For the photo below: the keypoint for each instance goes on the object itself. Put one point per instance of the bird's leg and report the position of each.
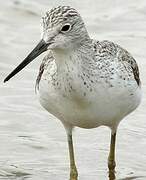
(73, 169)
(111, 158)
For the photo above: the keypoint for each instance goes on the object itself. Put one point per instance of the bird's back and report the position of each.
(111, 54)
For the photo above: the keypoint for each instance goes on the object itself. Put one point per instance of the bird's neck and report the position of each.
(74, 57)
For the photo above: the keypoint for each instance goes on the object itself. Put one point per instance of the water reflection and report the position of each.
(14, 173)
(112, 176)
(133, 177)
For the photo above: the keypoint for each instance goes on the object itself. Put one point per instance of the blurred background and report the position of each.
(33, 143)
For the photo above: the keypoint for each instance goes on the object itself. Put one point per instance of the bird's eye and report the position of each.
(66, 28)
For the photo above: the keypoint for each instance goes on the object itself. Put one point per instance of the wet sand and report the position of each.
(32, 142)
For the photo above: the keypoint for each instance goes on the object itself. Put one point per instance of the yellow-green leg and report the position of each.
(111, 158)
(73, 169)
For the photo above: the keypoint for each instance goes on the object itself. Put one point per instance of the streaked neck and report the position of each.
(73, 56)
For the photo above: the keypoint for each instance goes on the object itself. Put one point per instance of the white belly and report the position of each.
(105, 106)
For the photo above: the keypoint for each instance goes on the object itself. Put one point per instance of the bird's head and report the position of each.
(62, 28)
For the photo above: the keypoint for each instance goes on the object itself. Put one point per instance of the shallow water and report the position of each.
(33, 143)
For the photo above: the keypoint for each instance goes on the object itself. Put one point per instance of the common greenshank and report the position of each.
(81, 81)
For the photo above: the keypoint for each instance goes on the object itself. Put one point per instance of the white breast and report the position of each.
(67, 92)
(103, 106)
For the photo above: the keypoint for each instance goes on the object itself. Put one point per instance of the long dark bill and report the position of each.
(40, 48)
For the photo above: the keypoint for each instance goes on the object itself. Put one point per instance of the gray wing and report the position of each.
(111, 50)
(126, 57)
(47, 59)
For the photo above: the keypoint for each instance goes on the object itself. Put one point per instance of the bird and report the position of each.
(83, 82)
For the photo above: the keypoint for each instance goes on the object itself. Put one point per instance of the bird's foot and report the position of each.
(73, 174)
(111, 167)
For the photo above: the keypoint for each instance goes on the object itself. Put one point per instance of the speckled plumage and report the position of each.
(103, 68)
(83, 82)
(105, 53)
(86, 78)
(58, 15)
